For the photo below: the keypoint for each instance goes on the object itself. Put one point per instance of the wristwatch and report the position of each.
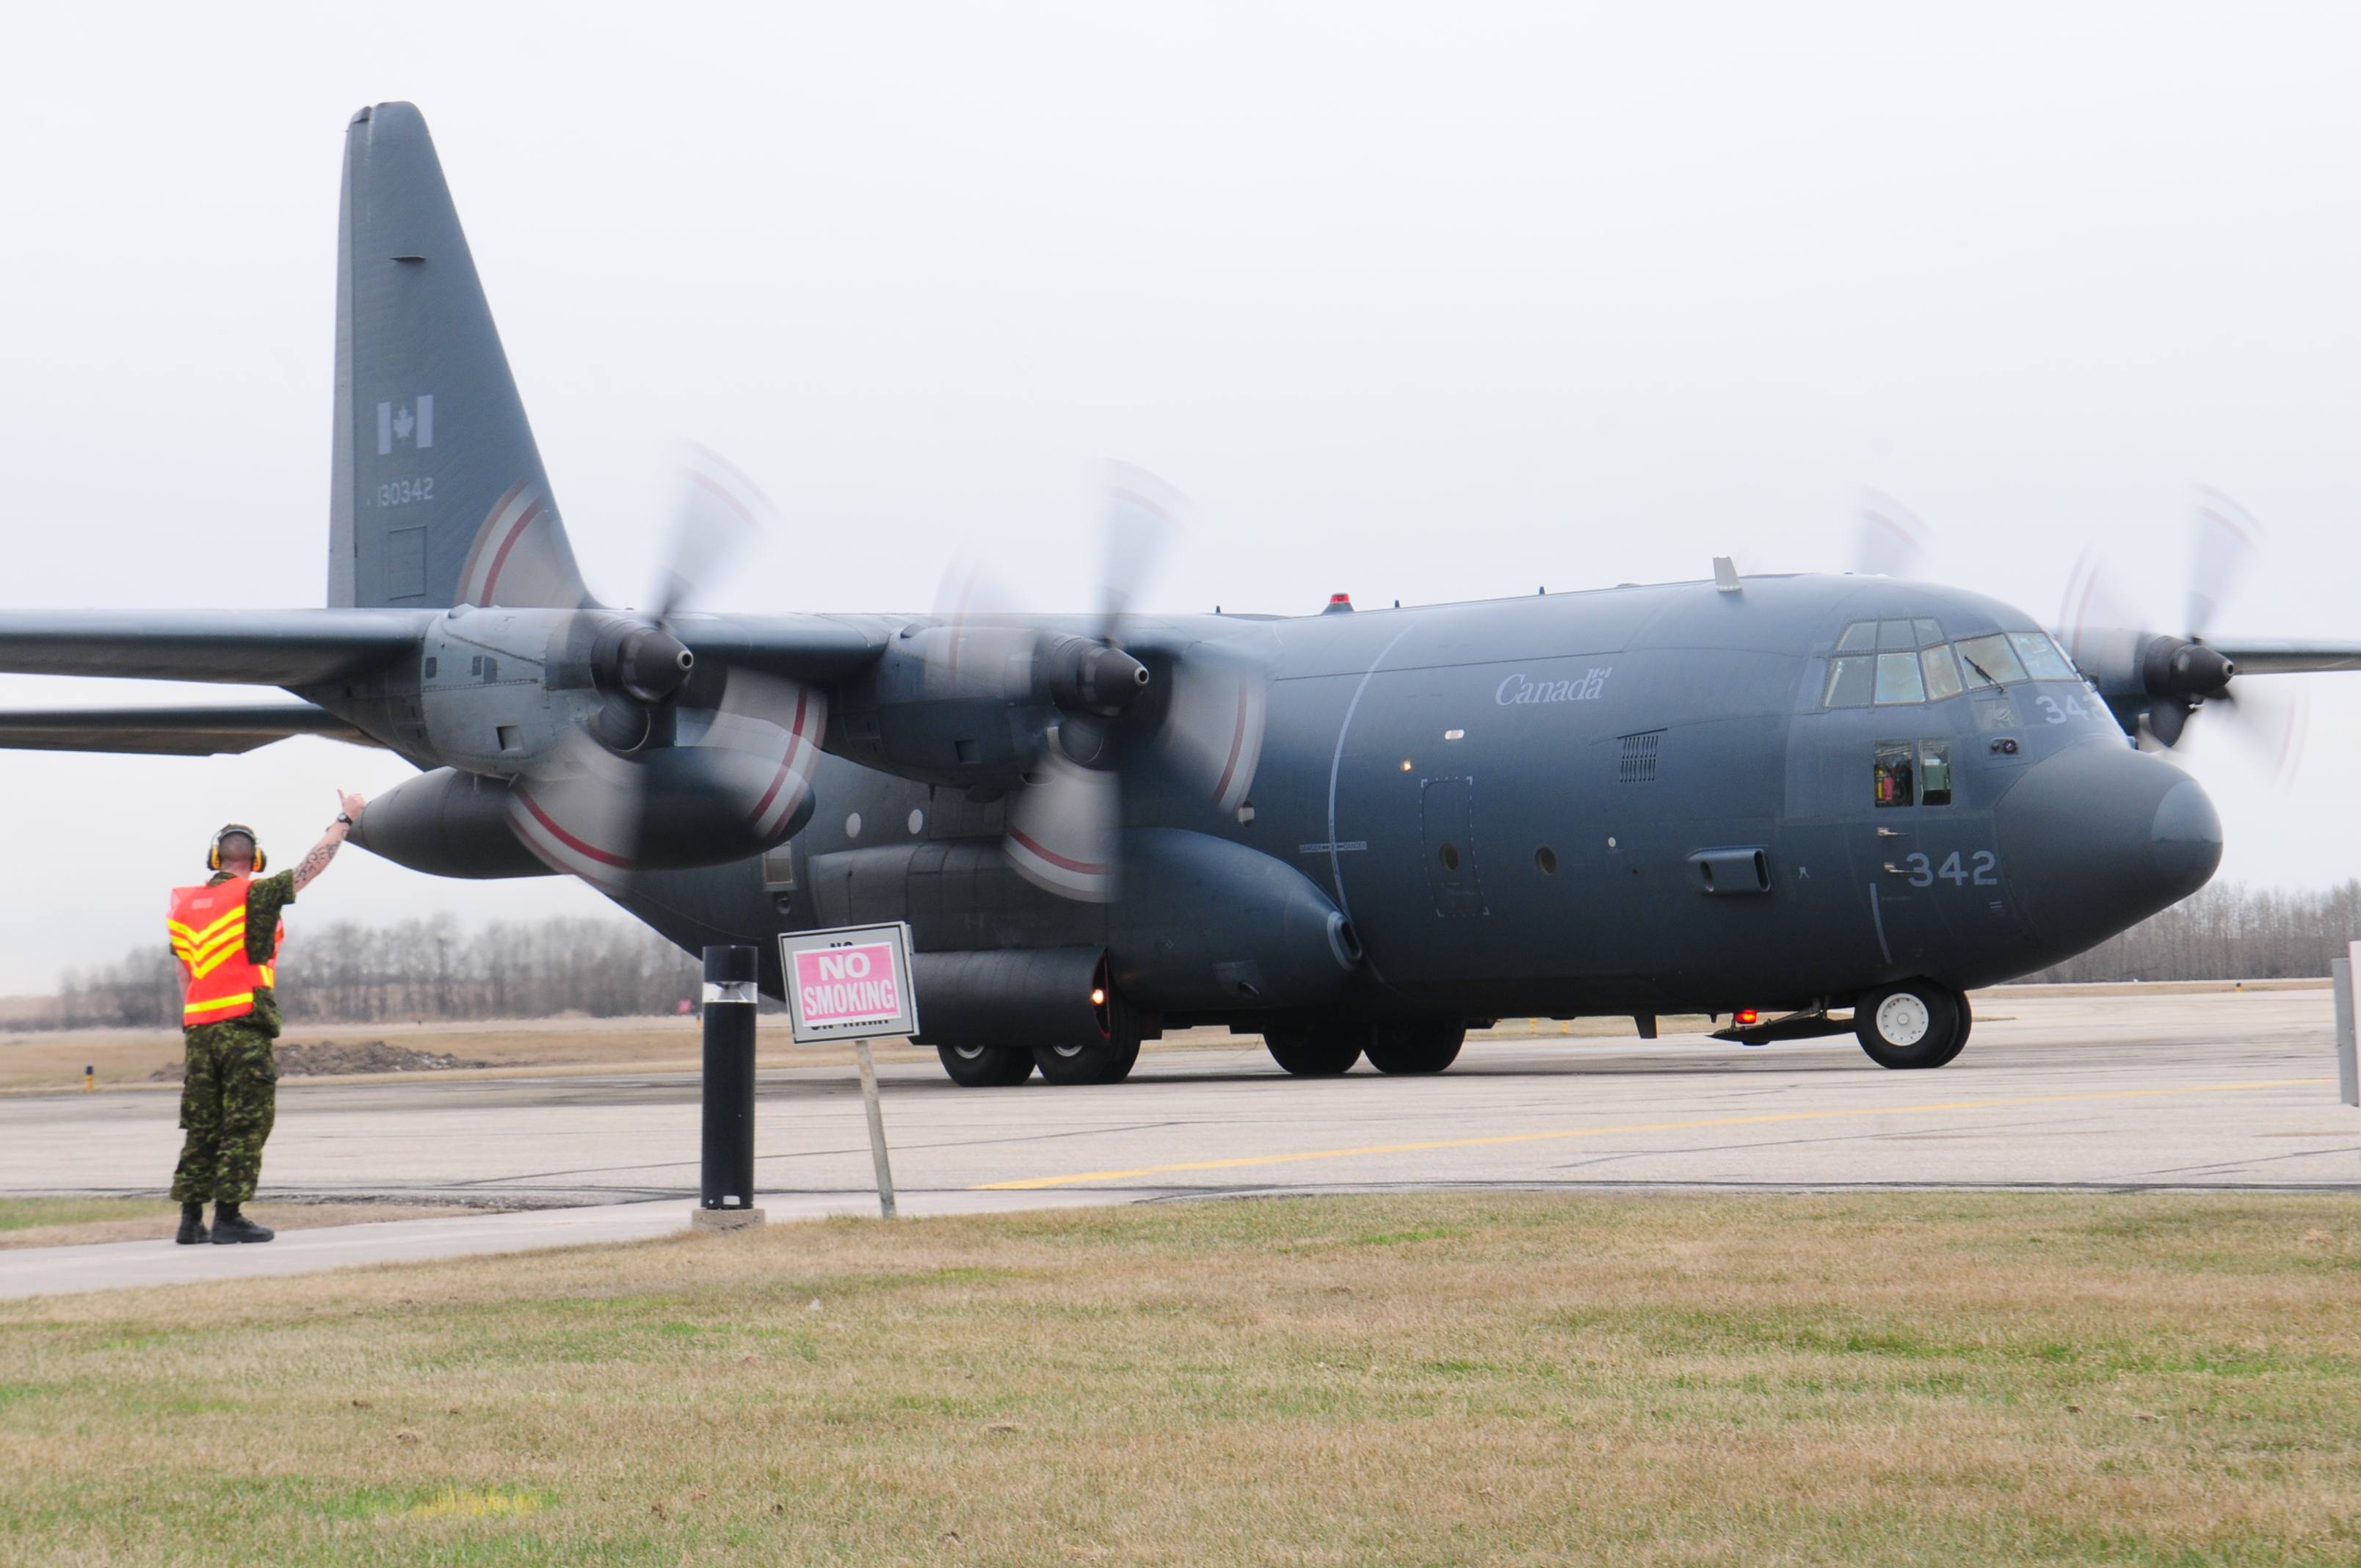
(344, 817)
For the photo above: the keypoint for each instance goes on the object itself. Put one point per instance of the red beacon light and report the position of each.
(1339, 604)
(1747, 1017)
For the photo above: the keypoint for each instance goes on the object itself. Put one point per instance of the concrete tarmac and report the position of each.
(2057, 1087)
(2116, 1091)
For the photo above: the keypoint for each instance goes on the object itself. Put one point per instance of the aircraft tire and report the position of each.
(1917, 1024)
(1108, 1062)
(986, 1067)
(1323, 1050)
(1424, 1048)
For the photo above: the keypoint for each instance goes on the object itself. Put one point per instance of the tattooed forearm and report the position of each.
(316, 862)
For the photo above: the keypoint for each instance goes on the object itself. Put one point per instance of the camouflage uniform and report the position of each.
(229, 1099)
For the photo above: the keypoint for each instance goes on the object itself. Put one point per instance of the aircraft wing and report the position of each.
(169, 732)
(814, 648)
(2279, 656)
(255, 647)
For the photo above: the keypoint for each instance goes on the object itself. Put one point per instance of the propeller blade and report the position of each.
(2095, 621)
(718, 514)
(1213, 728)
(579, 812)
(978, 647)
(1062, 830)
(2270, 724)
(766, 732)
(1143, 513)
(2228, 539)
(1891, 541)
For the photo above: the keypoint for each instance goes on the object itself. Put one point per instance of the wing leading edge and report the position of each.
(170, 731)
(242, 647)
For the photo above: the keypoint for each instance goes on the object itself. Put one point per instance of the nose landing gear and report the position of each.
(1912, 1024)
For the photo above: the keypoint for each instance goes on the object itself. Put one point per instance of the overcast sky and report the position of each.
(1427, 302)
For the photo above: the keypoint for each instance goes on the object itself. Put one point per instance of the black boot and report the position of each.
(231, 1227)
(192, 1224)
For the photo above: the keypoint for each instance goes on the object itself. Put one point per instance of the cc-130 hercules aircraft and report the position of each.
(1354, 833)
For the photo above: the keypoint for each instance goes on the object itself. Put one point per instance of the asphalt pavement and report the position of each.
(2057, 1089)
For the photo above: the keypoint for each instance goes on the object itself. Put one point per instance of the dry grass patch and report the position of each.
(1919, 1378)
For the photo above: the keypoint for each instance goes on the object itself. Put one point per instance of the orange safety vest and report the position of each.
(207, 925)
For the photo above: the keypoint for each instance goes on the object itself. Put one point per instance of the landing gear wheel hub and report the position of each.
(1903, 1019)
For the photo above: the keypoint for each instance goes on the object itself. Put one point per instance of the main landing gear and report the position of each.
(1327, 1048)
(1912, 1024)
(1107, 1060)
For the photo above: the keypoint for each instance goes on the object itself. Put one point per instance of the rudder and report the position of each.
(438, 495)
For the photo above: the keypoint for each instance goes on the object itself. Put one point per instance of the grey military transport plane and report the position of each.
(1783, 798)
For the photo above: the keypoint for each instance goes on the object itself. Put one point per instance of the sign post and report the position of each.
(854, 984)
(2348, 1069)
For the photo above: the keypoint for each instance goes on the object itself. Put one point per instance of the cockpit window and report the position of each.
(1989, 661)
(1898, 679)
(1860, 634)
(1929, 632)
(1895, 772)
(1942, 673)
(2043, 662)
(1895, 634)
(1851, 681)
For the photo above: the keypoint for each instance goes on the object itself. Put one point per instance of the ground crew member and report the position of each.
(225, 934)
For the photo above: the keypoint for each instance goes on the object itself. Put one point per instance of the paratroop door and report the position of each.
(1446, 810)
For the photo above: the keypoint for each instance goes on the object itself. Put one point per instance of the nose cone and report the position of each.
(2098, 838)
(2185, 838)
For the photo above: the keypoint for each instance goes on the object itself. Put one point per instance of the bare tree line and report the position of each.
(2229, 931)
(351, 972)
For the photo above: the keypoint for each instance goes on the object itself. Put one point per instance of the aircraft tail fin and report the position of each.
(439, 497)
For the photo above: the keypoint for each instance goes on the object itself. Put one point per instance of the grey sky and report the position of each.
(1420, 303)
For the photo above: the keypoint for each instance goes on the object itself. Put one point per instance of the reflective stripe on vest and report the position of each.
(207, 927)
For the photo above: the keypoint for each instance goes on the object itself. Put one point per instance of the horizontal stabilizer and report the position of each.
(243, 647)
(170, 731)
(2281, 656)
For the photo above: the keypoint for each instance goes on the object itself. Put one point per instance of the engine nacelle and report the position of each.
(1202, 925)
(447, 823)
(693, 813)
(1205, 924)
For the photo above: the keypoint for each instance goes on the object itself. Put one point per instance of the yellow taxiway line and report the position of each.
(1034, 1183)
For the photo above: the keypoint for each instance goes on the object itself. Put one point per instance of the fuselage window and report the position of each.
(1852, 681)
(1942, 673)
(2043, 662)
(1934, 773)
(1861, 636)
(1898, 679)
(1896, 772)
(1990, 661)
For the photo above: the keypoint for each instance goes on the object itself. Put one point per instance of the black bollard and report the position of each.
(728, 1016)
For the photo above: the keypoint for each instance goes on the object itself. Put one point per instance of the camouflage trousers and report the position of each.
(228, 1103)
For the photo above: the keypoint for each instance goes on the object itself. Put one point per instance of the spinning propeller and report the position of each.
(2157, 681)
(729, 745)
(1124, 692)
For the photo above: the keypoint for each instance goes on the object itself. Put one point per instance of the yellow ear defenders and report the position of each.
(213, 855)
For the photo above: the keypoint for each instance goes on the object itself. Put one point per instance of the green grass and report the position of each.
(1890, 1378)
(29, 1214)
